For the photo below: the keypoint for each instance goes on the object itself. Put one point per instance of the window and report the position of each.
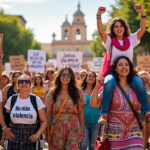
(66, 34)
(78, 34)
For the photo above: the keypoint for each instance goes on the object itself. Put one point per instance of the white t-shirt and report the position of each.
(116, 53)
(23, 111)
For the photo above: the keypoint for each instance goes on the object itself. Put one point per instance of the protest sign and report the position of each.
(90, 65)
(97, 63)
(17, 62)
(72, 59)
(7, 67)
(143, 62)
(36, 60)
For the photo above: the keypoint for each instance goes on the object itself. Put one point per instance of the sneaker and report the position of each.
(103, 119)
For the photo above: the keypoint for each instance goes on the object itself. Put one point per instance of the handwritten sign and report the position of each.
(1, 42)
(72, 59)
(36, 60)
(143, 62)
(90, 65)
(97, 63)
(17, 62)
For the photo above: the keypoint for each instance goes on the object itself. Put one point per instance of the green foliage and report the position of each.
(36, 45)
(17, 39)
(96, 46)
(48, 56)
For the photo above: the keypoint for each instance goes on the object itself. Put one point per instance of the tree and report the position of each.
(96, 46)
(17, 39)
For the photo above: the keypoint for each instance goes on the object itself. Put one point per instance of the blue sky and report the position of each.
(46, 16)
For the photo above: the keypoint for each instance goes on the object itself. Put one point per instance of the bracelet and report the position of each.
(98, 16)
(95, 89)
(4, 127)
(143, 16)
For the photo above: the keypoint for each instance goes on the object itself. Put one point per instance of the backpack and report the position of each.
(33, 102)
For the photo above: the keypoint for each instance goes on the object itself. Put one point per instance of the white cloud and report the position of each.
(5, 6)
(22, 1)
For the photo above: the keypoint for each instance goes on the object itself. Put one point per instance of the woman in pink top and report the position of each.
(119, 41)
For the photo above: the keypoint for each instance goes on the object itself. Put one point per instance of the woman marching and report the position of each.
(123, 130)
(65, 135)
(91, 115)
(119, 41)
(25, 109)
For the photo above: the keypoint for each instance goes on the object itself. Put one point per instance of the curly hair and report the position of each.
(84, 84)
(110, 27)
(131, 72)
(72, 86)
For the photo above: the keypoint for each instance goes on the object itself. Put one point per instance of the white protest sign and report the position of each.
(36, 60)
(97, 63)
(72, 59)
(7, 67)
(52, 63)
(90, 65)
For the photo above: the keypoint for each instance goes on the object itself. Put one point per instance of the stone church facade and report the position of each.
(73, 37)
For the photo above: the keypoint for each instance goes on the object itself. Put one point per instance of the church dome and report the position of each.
(78, 12)
(66, 22)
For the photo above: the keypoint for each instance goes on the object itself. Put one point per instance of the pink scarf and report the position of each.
(105, 69)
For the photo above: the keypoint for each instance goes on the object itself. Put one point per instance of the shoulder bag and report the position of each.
(137, 115)
(60, 110)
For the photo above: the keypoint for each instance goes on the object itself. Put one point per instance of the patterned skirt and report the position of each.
(22, 134)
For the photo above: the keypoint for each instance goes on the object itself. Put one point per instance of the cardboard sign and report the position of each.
(17, 62)
(1, 42)
(36, 60)
(97, 63)
(72, 59)
(143, 62)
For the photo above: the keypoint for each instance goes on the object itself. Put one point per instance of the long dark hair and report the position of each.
(34, 80)
(84, 84)
(131, 73)
(110, 27)
(72, 87)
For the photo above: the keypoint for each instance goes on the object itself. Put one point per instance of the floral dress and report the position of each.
(65, 135)
(123, 130)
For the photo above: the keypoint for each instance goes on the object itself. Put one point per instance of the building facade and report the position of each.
(73, 37)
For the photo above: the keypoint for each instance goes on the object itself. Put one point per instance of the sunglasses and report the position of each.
(66, 74)
(90, 76)
(24, 81)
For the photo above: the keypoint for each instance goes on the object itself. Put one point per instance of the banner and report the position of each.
(97, 63)
(17, 62)
(36, 60)
(72, 59)
(143, 62)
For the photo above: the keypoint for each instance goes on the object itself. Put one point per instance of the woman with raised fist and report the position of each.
(118, 41)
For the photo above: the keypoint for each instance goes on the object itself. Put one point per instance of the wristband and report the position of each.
(4, 127)
(98, 16)
(95, 89)
(143, 16)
